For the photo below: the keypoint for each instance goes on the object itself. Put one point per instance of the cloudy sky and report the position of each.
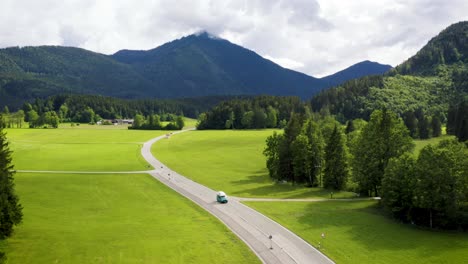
(317, 37)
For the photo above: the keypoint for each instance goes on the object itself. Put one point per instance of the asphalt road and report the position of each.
(249, 225)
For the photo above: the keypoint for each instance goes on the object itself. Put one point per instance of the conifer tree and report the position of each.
(336, 167)
(10, 209)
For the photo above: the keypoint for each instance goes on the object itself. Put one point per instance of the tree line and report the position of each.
(251, 113)
(374, 159)
(53, 110)
(153, 122)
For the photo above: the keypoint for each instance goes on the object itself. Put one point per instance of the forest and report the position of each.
(375, 159)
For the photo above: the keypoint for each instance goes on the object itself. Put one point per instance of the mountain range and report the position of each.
(193, 66)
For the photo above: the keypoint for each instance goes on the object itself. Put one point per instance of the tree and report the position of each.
(230, 121)
(50, 118)
(180, 122)
(411, 123)
(398, 186)
(441, 178)
(300, 150)
(383, 138)
(272, 151)
(316, 146)
(138, 121)
(259, 119)
(10, 208)
(33, 117)
(272, 117)
(247, 119)
(350, 127)
(436, 127)
(87, 115)
(423, 127)
(336, 166)
(63, 112)
(457, 123)
(291, 131)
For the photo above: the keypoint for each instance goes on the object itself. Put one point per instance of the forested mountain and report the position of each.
(202, 64)
(193, 66)
(448, 48)
(363, 68)
(422, 86)
(33, 72)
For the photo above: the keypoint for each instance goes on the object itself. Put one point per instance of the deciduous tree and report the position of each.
(383, 138)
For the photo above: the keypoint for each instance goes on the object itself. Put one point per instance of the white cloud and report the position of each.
(286, 63)
(317, 37)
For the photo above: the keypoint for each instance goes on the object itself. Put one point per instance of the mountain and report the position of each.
(423, 85)
(203, 64)
(449, 47)
(363, 68)
(31, 72)
(193, 66)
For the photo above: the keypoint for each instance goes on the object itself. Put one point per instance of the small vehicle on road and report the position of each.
(221, 197)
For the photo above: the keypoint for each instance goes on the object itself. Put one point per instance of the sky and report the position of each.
(317, 37)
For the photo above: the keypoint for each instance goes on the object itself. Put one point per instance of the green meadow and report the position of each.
(106, 218)
(231, 161)
(72, 218)
(357, 232)
(79, 148)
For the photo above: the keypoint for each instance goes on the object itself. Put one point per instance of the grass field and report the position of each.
(356, 232)
(115, 219)
(82, 148)
(231, 161)
(420, 144)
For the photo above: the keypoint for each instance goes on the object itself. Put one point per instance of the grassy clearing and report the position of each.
(190, 122)
(420, 144)
(115, 219)
(83, 148)
(357, 232)
(231, 161)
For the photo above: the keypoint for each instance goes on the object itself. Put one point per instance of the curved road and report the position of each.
(249, 225)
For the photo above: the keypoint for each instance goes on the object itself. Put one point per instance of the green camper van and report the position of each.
(221, 197)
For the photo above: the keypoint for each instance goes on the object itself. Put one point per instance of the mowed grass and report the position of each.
(357, 232)
(231, 161)
(83, 148)
(115, 219)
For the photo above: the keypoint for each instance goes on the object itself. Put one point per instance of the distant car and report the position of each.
(221, 197)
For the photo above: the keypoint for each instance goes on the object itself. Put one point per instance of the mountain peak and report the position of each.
(205, 34)
(357, 70)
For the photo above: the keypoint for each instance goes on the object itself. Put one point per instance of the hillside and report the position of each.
(449, 47)
(194, 66)
(32, 72)
(426, 83)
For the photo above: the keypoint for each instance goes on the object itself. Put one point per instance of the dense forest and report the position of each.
(90, 109)
(424, 85)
